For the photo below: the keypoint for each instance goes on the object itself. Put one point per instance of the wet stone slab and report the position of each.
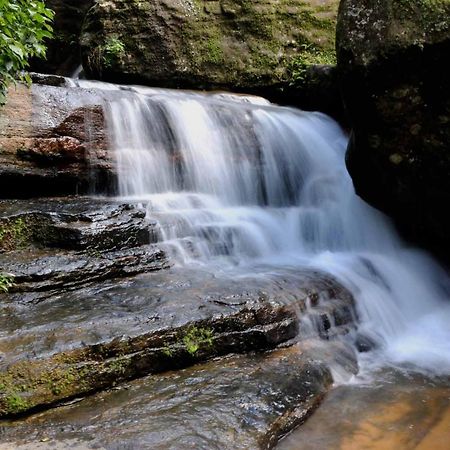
(73, 223)
(40, 274)
(237, 402)
(74, 343)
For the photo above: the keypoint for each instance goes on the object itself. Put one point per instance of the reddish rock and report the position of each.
(53, 142)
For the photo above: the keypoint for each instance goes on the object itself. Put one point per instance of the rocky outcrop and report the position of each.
(263, 47)
(240, 402)
(53, 245)
(57, 343)
(53, 141)
(396, 89)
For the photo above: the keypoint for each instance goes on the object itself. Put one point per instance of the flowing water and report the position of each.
(239, 186)
(237, 182)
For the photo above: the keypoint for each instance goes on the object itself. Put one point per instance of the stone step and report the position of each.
(76, 343)
(73, 223)
(236, 402)
(38, 274)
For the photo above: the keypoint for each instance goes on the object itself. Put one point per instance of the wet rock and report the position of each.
(261, 47)
(240, 402)
(365, 343)
(49, 79)
(74, 343)
(397, 94)
(73, 223)
(34, 270)
(53, 142)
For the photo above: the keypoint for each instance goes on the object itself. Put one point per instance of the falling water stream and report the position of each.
(237, 183)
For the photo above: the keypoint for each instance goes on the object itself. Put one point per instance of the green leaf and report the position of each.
(24, 25)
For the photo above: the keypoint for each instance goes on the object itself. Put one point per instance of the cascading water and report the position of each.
(237, 181)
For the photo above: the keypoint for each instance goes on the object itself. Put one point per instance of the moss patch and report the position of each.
(241, 44)
(14, 233)
(196, 338)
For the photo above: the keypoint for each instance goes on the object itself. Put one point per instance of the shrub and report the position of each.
(24, 25)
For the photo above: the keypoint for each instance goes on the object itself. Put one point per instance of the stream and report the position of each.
(254, 209)
(235, 182)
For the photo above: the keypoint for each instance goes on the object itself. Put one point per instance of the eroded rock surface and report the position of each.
(239, 402)
(53, 141)
(78, 342)
(397, 93)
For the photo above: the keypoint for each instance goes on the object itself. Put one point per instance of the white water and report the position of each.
(235, 180)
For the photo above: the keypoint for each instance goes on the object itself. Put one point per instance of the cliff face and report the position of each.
(240, 45)
(396, 88)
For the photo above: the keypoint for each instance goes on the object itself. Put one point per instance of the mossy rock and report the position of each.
(396, 87)
(238, 45)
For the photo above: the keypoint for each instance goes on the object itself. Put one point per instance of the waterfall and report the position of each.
(236, 181)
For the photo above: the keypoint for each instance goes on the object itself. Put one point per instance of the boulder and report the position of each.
(53, 141)
(396, 89)
(263, 47)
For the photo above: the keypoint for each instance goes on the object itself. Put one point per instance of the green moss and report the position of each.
(214, 51)
(113, 51)
(40, 383)
(118, 366)
(421, 17)
(196, 338)
(168, 351)
(310, 55)
(15, 403)
(14, 233)
(253, 45)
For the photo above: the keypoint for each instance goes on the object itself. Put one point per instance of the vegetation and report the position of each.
(113, 51)
(6, 281)
(196, 338)
(24, 25)
(309, 55)
(14, 234)
(15, 403)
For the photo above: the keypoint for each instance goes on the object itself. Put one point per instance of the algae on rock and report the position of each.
(239, 45)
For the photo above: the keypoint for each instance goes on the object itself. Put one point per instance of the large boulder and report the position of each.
(261, 46)
(53, 140)
(391, 62)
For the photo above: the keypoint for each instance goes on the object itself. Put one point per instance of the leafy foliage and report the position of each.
(196, 338)
(310, 55)
(24, 25)
(113, 50)
(6, 281)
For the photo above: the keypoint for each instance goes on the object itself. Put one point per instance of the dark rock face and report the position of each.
(259, 47)
(397, 93)
(63, 51)
(53, 141)
(56, 245)
(239, 402)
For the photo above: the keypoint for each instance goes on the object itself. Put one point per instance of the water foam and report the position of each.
(243, 182)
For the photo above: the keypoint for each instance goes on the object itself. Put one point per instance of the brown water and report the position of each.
(399, 413)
